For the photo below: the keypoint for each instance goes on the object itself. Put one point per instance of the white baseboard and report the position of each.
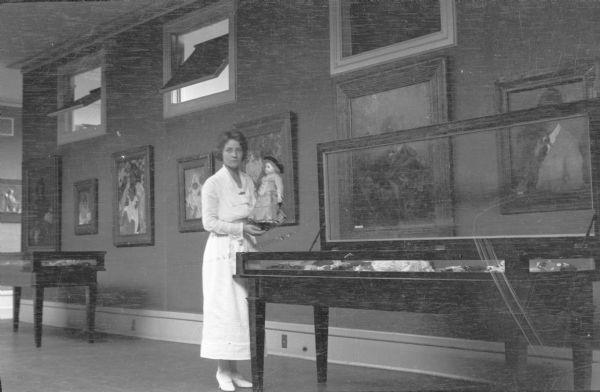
(447, 357)
(5, 304)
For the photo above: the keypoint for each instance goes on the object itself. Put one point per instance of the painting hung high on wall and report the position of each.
(273, 138)
(10, 200)
(85, 196)
(133, 209)
(546, 166)
(192, 173)
(366, 33)
(41, 204)
(393, 99)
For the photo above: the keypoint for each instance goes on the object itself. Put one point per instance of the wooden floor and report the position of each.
(67, 363)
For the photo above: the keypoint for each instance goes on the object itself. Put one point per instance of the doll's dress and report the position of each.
(267, 204)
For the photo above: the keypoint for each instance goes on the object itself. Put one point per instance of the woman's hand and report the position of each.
(253, 229)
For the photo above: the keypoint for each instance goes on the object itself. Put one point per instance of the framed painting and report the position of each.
(366, 33)
(85, 196)
(546, 166)
(191, 173)
(133, 200)
(10, 200)
(41, 204)
(7, 126)
(371, 190)
(393, 99)
(274, 136)
(562, 86)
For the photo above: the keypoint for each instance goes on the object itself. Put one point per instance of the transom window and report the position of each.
(80, 114)
(199, 60)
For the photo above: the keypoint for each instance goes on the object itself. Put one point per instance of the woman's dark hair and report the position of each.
(231, 135)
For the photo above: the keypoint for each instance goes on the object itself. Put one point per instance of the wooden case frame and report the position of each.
(589, 109)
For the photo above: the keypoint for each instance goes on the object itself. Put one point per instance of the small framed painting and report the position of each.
(192, 172)
(85, 196)
(10, 201)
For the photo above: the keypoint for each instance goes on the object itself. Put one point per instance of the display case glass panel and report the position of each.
(522, 174)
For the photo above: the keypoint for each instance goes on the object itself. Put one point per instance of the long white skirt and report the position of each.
(225, 331)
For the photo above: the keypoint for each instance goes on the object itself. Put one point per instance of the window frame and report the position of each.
(64, 134)
(190, 22)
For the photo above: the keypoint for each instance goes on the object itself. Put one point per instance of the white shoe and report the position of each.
(240, 381)
(225, 381)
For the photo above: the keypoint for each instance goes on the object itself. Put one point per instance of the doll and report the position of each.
(270, 194)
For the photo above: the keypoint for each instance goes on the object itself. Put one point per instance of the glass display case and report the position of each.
(495, 213)
(43, 269)
(520, 175)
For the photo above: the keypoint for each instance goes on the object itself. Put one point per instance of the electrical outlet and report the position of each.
(283, 341)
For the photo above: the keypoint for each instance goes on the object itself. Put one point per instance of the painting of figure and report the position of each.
(547, 164)
(86, 206)
(193, 172)
(10, 197)
(133, 220)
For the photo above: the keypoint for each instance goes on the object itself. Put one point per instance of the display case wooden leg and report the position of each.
(582, 316)
(256, 313)
(321, 315)
(38, 306)
(90, 307)
(515, 351)
(582, 364)
(16, 307)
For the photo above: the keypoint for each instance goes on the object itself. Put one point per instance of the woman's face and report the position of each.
(232, 154)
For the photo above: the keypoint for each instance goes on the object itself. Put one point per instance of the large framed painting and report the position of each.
(386, 187)
(10, 200)
(546, 166)
(41, 204)
(192, 172)
(366, 33)
(392, 99)
(274, 136)
(561, 86)
(85, 196)
(133, 200)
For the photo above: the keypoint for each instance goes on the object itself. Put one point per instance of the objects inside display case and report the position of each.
(380, 265)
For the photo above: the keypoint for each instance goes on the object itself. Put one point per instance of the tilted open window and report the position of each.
(81, 100)
(199, 60)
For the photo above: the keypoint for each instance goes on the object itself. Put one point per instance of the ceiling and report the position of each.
(30, 29)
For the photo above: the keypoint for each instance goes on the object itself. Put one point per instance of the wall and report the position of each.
(283, 65)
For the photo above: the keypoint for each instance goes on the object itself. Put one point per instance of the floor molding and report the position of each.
(447, 357)
(5, 304)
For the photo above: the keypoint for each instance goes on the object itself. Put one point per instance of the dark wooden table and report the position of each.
(40, 270)
(421, 292)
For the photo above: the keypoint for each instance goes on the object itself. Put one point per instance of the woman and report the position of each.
(227, 200)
